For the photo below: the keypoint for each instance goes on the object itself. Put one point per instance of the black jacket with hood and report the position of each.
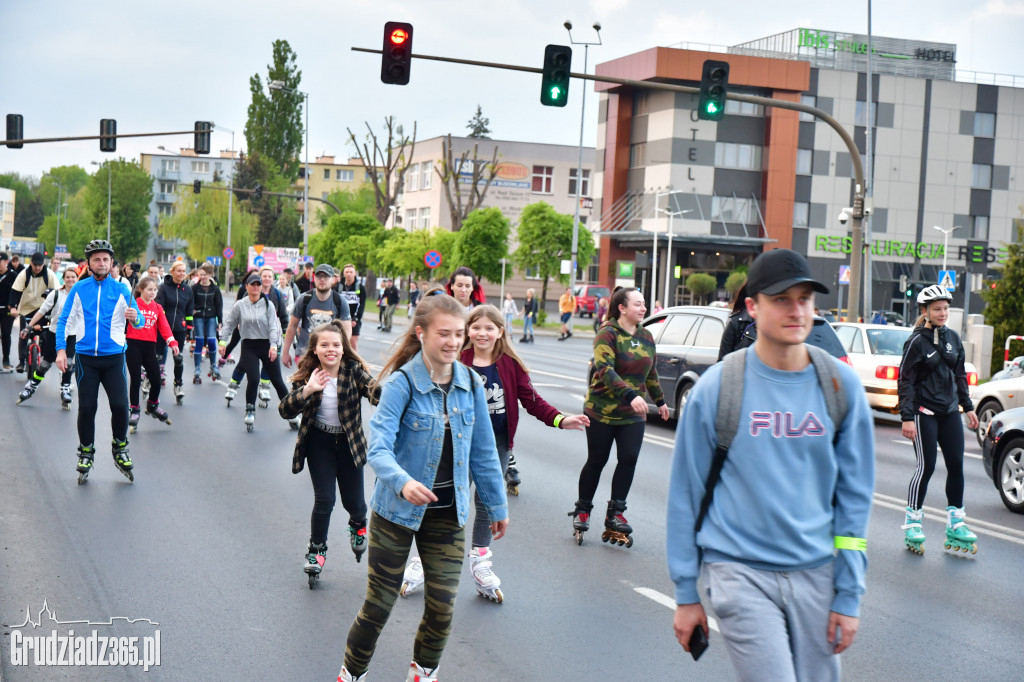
(932, 374)
(177, 303)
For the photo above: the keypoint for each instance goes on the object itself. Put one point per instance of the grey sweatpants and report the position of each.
(774, 623)
(481, 522)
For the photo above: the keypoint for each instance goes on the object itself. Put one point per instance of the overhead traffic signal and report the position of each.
(714, 81)
(202, 137)
(554, 85)
(108, 126)
(396, 55)
(196, 186)
(15, 130)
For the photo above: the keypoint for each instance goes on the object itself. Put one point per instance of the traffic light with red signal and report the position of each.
(396, 55)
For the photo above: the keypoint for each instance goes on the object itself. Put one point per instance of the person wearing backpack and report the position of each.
(770, 492)
(313, 309)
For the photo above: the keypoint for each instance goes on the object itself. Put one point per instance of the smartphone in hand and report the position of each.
(698, 642)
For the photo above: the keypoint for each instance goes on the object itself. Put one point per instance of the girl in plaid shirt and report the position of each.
(327, 390)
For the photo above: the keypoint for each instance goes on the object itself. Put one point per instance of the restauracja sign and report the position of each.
(923, 250)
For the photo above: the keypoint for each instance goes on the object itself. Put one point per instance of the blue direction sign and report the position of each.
(432, 259)
(213, 260)
(14, 245)
(947, 279)
(258, 261)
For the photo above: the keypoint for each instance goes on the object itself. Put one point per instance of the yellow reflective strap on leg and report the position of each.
(859, 544)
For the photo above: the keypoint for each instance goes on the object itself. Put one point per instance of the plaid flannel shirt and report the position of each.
(353, 385)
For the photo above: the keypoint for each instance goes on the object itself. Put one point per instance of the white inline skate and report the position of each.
(412, 581)
(487, 584)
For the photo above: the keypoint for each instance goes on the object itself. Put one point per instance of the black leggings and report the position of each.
(50, 356)
(330, 463)
(179, 359)
(947, 431)
(6, 326)
(627, 438)
(91, 371)
(141, 355)
(255, 351)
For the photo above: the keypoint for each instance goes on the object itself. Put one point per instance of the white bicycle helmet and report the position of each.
(933, 293)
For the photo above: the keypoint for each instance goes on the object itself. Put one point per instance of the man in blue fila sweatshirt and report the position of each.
(780, 553)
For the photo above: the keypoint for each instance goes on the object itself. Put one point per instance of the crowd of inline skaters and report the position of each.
(448, 403)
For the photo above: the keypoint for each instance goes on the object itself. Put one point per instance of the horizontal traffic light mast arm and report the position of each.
(95, 137)
(286, 195)
(693, 90)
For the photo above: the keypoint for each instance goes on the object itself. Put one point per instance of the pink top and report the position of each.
(154, 316)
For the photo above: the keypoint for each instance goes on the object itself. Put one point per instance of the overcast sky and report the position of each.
(65, 64)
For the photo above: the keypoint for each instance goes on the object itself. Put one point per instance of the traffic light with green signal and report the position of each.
(554, 87)
(714, 82)
(396, 55)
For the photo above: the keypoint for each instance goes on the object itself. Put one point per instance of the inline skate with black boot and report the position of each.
(133, 419)
(65, 397)
(145, 385)
(85, 457)
(264, 393)
(154, 411)
(29, 390)
(512, 480)
(581, 519)
(250, 417)
(316, 557)
(121, 459)
(357, 538)
(229, 395)
(615, 527)
(179, 393)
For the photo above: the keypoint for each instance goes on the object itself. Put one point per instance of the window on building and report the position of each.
(981, 176)
(979, 227)
(740, 156)
(743, 108)
(327, 173)
(638, 155)
(302, 172)
(733, 210)
(984, 125)
(217, 168)
(368, 176)
(811, 101)
(801, 213)
(543, 178)
(425, 218)
(861, 116)
(585, 188)
(426, 174)
(641, 103)
(344, 175)
(532, 273)
(410, 219)
(168, 187)
(200, 167)
(324, 195)
(804, 158)
(412, 178)
(165, 209)
(170, 165)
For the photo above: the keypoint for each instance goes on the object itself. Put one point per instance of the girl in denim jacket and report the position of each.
(430, 433)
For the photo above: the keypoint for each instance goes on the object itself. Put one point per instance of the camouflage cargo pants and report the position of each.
(441, 543)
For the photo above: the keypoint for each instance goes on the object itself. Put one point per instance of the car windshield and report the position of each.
(888, 341)
(597, 292)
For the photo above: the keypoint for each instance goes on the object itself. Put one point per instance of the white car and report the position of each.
(875, 351)
(993, 397)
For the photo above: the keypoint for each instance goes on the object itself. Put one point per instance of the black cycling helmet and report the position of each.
(97, 245)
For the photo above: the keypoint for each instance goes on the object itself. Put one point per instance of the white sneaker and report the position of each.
(346, 676)
(480, 565)
(413, 578)
(418, 674)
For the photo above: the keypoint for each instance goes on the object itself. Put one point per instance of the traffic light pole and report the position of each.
(243, 190)
(93, 137)
(857, 248)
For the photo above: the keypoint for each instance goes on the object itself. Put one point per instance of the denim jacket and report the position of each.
(412, 450)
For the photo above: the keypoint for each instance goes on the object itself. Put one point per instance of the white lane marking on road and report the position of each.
(536, 385)
(668, 601)
(903, 441)
(659, 440)
(578, 397)
(977, 525)
(558, 376)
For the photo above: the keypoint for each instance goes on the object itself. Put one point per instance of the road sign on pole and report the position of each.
(432, 259)
(258, 261)
(947, 279)
(229, 253)
(213, 260)
(844, 274)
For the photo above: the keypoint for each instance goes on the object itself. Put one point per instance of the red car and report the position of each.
(587, 297)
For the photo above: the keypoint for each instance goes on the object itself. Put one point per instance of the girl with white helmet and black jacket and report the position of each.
(932, 389)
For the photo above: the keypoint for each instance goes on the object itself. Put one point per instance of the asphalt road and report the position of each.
(207, 544)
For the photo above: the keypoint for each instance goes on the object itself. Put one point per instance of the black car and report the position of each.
(1003, 456)
(688, 338)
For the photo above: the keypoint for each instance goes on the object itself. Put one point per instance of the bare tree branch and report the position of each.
(450, 173)
(385, 161)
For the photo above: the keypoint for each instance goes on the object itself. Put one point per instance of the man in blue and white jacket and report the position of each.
(780, 554)
(96, 312)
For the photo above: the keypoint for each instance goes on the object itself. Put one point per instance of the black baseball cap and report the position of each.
(38, 258)
(775, 271)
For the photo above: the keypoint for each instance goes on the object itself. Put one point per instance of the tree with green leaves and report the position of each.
(28, 209)
(545, 240)
(202, 220)
(1005, 308)
(482, 243)
(131, 193)
(348, 238)
(402, 254)
(274, 127)
(479, 127)
(358, 200)
(75, 225)
(700, 285)
(735, 280)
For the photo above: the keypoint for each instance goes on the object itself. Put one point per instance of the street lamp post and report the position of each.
(95, 163)
(60, 188)
(579, 161)
(945, 240)
(668, 257)
(231, 195)
(279, 85)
